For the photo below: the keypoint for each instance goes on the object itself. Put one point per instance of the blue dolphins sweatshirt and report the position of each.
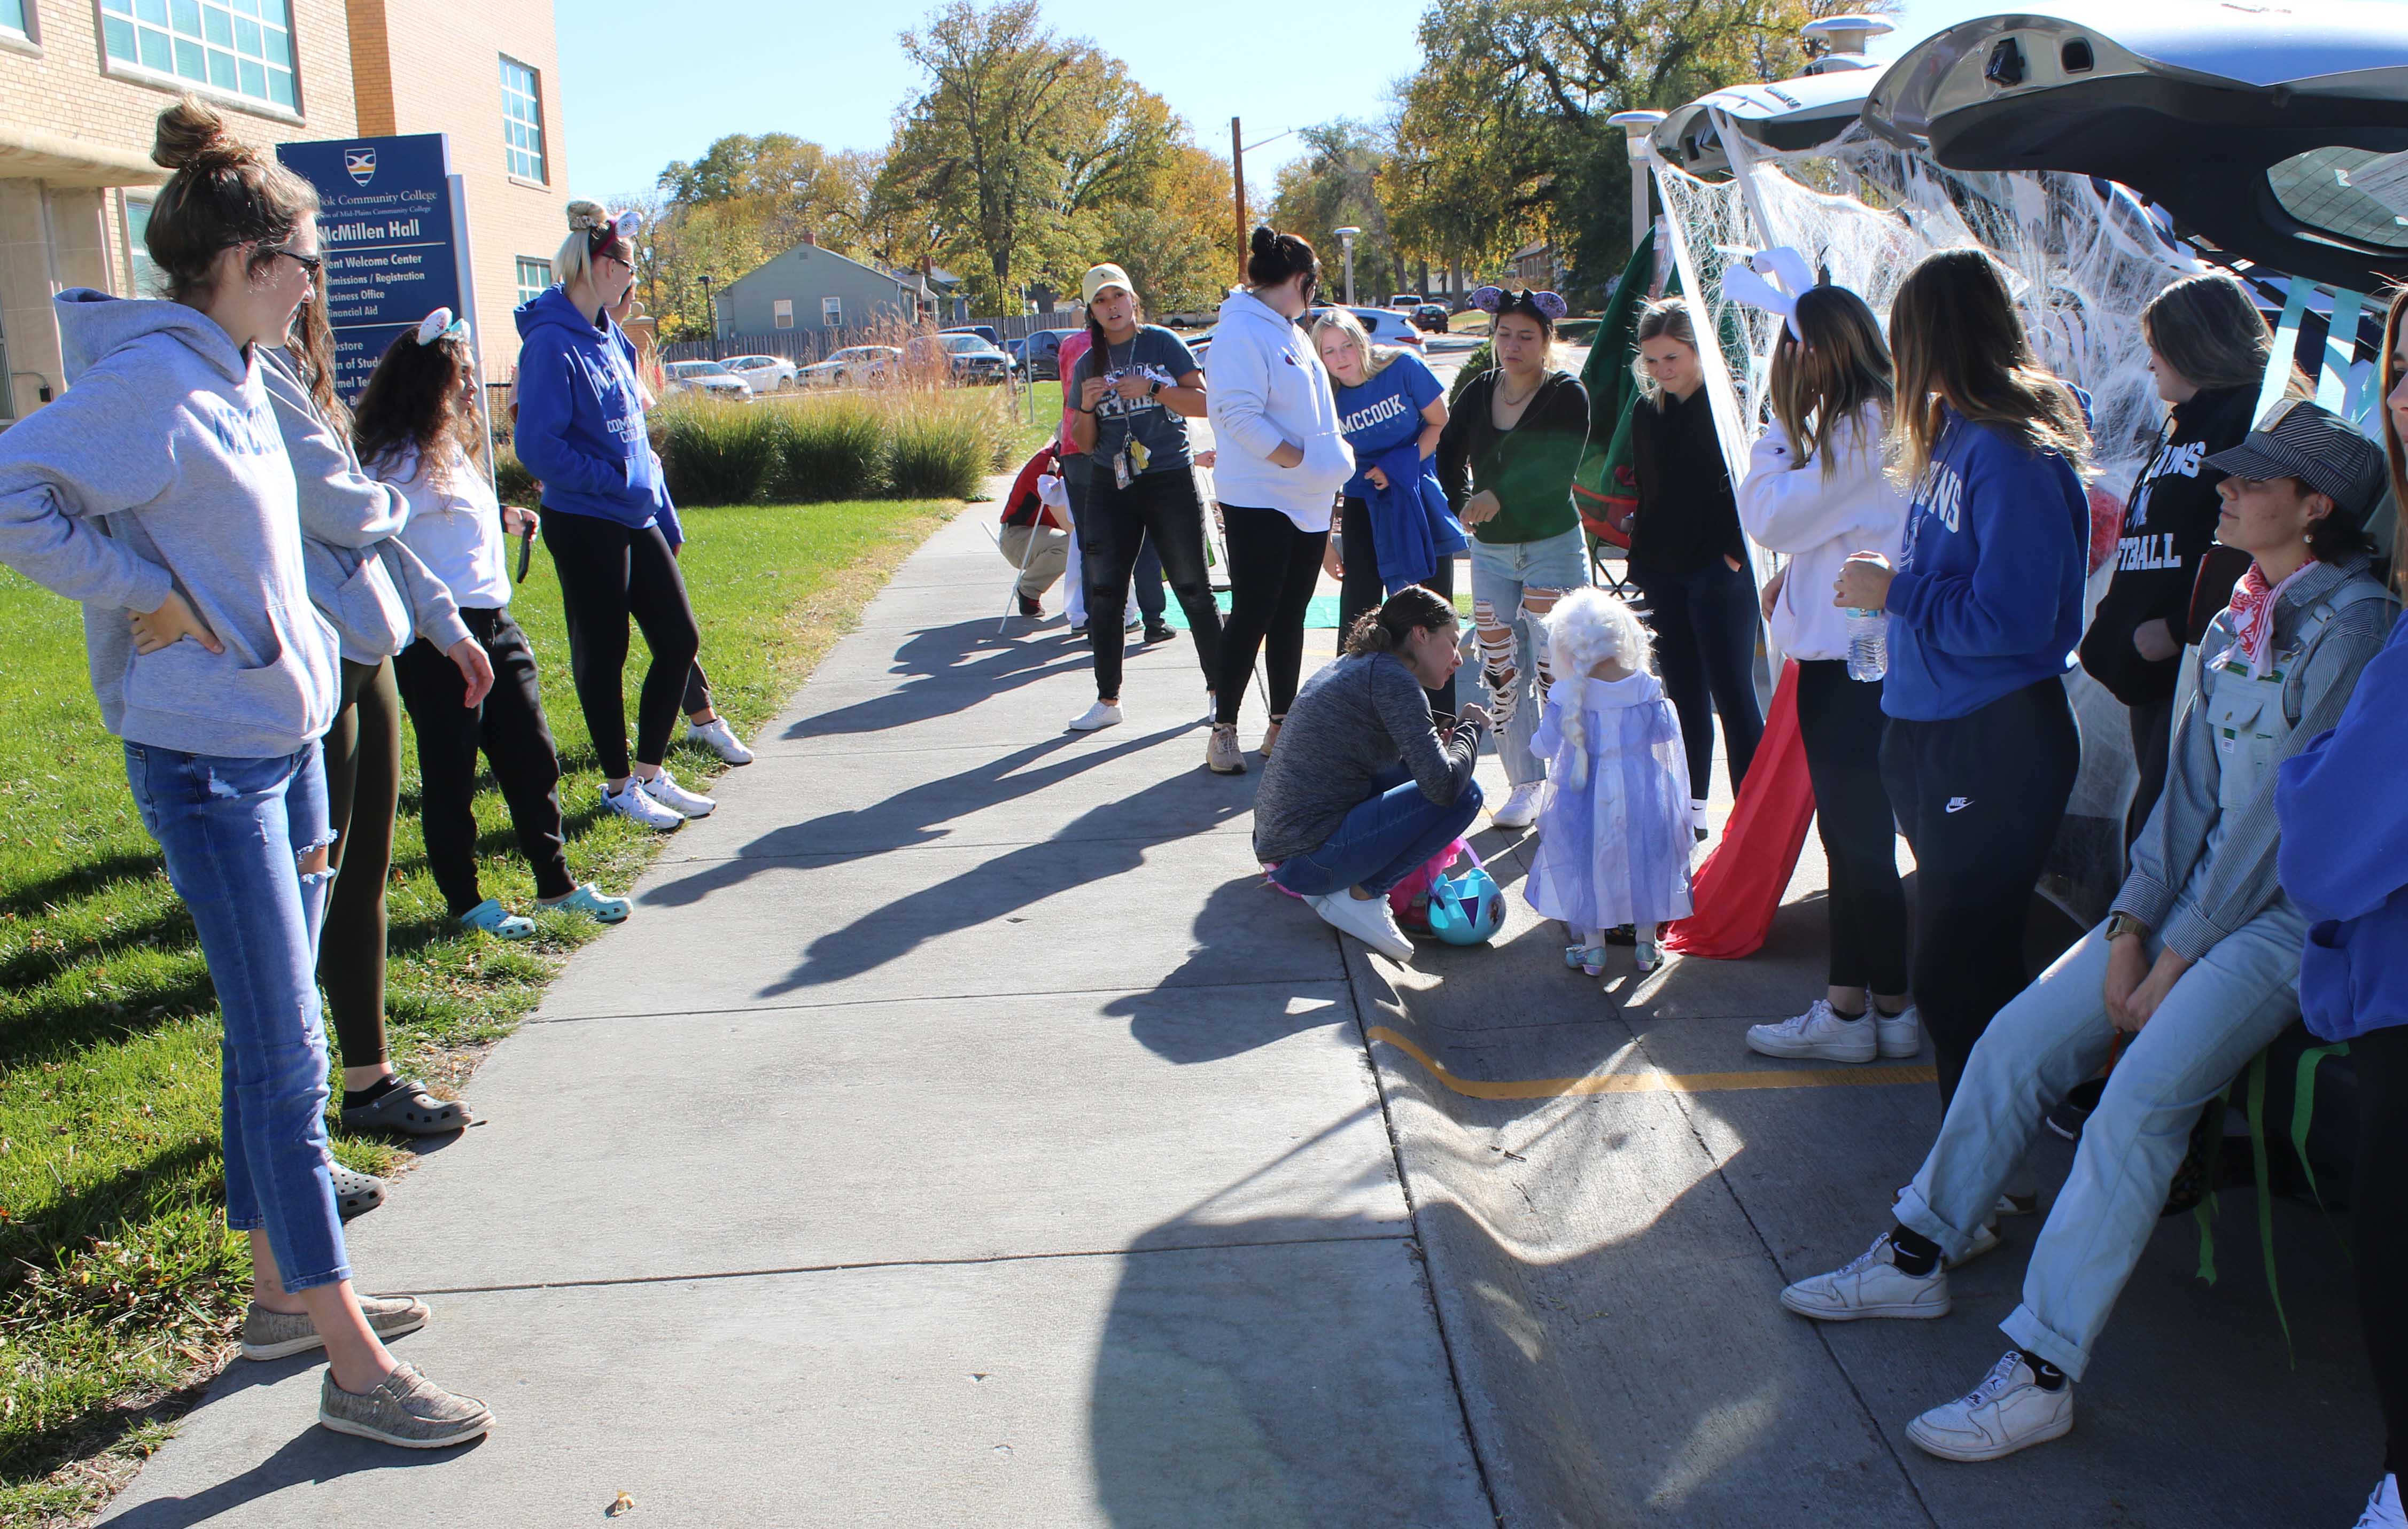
(581, 424)
(2344, 854)
(1988, 595)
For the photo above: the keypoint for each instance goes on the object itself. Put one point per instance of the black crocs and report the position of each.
(405, 1110)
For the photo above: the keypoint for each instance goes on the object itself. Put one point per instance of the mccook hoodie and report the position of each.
(161, 469)
(581, 424)
(1265, 386)
(1988, 595)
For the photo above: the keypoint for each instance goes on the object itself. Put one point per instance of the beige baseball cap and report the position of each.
(1100, 276)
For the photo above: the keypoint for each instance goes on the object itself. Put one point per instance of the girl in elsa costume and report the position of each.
(1613, 829)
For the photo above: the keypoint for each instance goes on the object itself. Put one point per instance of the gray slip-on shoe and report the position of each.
(405, 1409)
(278, 1335)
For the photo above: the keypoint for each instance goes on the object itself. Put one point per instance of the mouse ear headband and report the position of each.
(441, 325)
(1545, 306)
(610, 233)
(1749, 284)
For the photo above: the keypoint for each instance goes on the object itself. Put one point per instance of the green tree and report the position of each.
(1338, 184)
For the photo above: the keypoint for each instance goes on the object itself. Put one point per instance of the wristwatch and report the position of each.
(1155, 390)
(2120, 924)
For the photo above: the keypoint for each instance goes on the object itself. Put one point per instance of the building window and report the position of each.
(534, 276)
(782, 312)
(522, 121)
(12, 22)
(832, 312)
(241, 47)
(148, 280)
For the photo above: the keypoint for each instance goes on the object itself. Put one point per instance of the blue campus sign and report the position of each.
(389, 224)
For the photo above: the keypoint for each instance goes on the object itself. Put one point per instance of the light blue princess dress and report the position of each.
(1614, 828)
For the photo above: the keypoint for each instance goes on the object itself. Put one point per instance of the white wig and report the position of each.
(1587, 627)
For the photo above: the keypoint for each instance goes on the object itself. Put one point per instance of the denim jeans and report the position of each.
(1384, 839)
(1501, 572)
(232, 832)
(2223, 1011)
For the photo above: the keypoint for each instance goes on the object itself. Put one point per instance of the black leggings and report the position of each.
(1113, 522)
(1362, 589)
(1840, 721)
(1981, 797)
(2379, 1203)
(609, 573)
(1705, 625)
(1274, 570)
(509, 727)
(362, 756)
(2152, 724)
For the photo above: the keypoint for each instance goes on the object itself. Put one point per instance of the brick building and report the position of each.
(82, 83)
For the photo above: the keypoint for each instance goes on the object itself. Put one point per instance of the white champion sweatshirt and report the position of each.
(1265, 386)
(1818, 520)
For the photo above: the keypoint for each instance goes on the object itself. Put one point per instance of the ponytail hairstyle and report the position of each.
(1387, 629)
(1587, 627)
(1840, 370)
(223, 194)
(1958, 342)
(422, 398)
(1272, 258)
(1667, 318)
(2394, 330)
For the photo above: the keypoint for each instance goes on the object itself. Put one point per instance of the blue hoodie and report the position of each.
(581, 424)
(2344, 854)
(1988, 595)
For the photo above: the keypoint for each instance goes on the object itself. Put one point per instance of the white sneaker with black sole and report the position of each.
(1898, 1034)
(1818, 1034)
(721, 739)
(1368, 919)
(630, 802)
(1871, 1286)
(2009, 1410)
(1521, 808)
(663, 788)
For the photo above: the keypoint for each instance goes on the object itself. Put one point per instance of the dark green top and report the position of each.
(1529, 467)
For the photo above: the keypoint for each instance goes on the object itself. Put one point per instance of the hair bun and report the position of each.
(192, 136)
(585, 217)
(1265, 240)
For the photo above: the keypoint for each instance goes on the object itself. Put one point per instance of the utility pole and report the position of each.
(1237, 178)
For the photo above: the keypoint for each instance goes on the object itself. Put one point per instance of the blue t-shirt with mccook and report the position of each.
(1384, 413)
(1160, 356)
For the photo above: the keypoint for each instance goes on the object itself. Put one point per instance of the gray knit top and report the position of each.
(1355, 719)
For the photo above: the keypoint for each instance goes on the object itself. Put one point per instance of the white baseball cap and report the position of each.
(1100, 276)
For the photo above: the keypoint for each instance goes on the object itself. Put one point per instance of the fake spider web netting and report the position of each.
(2083, 258)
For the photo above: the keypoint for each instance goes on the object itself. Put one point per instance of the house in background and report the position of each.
(811, 287)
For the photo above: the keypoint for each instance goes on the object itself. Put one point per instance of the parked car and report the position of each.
(849, 368)
(708, 378)
(984, 332)
(972, 359)
(1405, 302)
(1039, 356)
(1432, 317)
(762, 374)
(1385, 326)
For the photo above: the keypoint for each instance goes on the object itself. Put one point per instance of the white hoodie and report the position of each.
(1264, 388)
(1819, 520)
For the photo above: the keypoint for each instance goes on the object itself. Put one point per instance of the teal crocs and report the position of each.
(596, 905)
(494, 919)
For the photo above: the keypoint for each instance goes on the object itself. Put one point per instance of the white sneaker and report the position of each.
(721, 739)
(1871, 1286)
(663, 788)
(2009, 1410)
(2383, 1511)
(1985, 1241)
(1898, 1034)
(632, 803)
(1819, 1032)
(1102, 714)
(1368, 919)
(1521, 808)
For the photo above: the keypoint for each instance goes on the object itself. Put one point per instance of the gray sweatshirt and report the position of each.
(2240, 880)
(162, 469)
(374, 591)
(1355, 720)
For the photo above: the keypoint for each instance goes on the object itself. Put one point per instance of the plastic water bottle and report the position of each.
(1867, 644)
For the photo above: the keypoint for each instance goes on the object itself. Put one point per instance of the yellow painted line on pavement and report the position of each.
(1657, 1082)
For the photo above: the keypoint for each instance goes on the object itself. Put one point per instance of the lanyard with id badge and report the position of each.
(1130, 458)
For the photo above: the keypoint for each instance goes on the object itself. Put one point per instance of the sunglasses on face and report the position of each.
(312, 263)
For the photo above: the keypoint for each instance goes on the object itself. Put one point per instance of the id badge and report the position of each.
(1138, 457)
(1121, 474)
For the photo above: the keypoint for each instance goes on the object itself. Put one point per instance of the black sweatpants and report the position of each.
(1113, 522)
(509, 727)
(609, 573)
(362, 751)
(1705, 625)
(1980, 797)
(1362, 589)
(1274, 570)
(2379, 1205)
(1840, 721)
(2152, 724)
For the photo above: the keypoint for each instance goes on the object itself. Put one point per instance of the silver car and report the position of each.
(849, 368)
(764, 374)
(707, 378)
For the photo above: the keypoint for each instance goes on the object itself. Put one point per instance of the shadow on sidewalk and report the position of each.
(941, 663)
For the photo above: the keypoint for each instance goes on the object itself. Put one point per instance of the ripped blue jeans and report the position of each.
(234, 832)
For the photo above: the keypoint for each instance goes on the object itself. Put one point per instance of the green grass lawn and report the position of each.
(119, 1285)
(1031, 434)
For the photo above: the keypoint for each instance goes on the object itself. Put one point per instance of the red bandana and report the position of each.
(2253, 616)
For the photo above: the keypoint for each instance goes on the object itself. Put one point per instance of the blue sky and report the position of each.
(637, 92)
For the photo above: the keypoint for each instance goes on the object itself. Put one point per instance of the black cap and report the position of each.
(2302, 441)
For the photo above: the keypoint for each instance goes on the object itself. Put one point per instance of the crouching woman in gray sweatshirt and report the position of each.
(158, 493)
(1364, 787)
